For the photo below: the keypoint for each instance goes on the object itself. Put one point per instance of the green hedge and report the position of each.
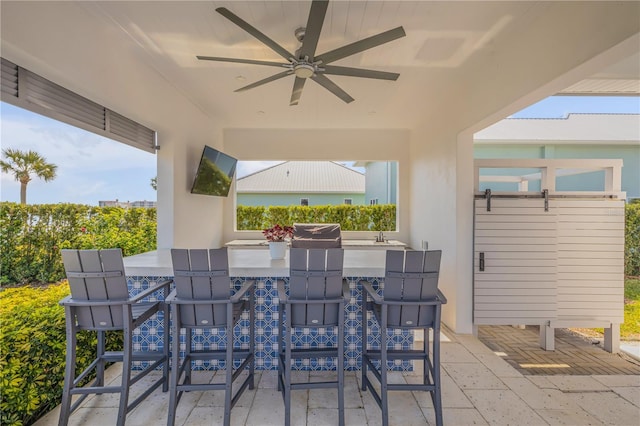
(380, 217)
(32, 351)
(632, 240)
(32, 236)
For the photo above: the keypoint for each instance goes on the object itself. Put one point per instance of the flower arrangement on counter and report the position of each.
(278, 233)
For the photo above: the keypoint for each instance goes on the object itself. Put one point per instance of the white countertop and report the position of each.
(256, 263)
(346, 244)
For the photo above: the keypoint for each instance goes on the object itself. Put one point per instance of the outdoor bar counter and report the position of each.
(146, 269)
(257, 263)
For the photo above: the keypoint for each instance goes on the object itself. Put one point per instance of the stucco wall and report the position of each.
(381, 182)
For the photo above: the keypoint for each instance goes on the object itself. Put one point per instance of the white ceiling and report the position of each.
(440, 39)
(443, 39)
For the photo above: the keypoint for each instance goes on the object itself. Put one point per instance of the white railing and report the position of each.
(550, 169)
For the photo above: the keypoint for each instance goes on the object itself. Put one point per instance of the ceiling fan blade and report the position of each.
(264, 81)
(241, 61)
(298, 85)
(361, 45)
(358, 72)
(332, 87)
(254, 32)
(313, 28)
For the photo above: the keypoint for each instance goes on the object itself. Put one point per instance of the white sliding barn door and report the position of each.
(590, 261)
(518, 241)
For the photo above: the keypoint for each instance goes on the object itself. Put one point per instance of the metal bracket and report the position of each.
(545, 194)
(487, 195)
(481, 261)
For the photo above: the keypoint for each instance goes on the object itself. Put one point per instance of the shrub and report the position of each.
(34, 234)
(632, 240)
(32, 351)
(350, 217)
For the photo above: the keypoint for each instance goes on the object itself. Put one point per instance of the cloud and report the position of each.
(69, 147)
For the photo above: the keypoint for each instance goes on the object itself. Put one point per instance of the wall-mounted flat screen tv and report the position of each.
(215, 173)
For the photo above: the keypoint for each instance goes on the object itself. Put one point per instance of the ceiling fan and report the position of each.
(305, 63)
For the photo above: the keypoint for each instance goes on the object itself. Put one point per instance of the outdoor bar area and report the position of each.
(377, 323)
(147, 269)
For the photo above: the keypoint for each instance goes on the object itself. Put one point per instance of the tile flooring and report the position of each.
(478, 388)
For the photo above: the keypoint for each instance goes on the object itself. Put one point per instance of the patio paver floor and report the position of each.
(479, 387)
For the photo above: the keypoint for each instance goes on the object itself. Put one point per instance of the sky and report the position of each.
(92, 168)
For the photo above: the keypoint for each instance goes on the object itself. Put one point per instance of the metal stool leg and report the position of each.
(175, 366)
(69, 370)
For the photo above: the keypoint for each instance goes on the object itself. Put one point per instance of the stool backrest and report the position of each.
(411, 276)
(202, 274)
(315, 275)
(96, 275)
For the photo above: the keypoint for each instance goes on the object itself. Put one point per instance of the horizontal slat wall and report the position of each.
(519, 242)
(590, 260)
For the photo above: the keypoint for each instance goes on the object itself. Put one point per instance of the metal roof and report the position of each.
(575, 128)
(303, 176)
(619, 79)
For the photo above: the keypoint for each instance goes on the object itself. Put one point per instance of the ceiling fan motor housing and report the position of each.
(304, 70)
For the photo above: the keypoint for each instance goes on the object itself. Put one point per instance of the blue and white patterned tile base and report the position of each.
(267, 314)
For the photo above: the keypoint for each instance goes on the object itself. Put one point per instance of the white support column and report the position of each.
(476, 177)
(612, 339)
(549, 179)
(547, 337)
(613, 179)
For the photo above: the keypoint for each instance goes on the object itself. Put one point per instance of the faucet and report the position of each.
(380, 238)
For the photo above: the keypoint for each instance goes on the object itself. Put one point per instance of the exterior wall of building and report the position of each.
(294, 199)
(593, 181)
(127, 204)
(145, 204)
(381, 182)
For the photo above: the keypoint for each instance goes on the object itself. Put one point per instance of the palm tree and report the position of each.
(25, 164)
